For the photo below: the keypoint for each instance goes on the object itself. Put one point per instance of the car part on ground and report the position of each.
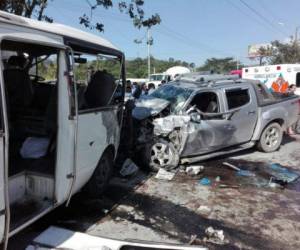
(60, 238)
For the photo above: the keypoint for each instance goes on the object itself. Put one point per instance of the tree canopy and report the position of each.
(219, 65)
(36, 9)
(280, 53)
(285, 53)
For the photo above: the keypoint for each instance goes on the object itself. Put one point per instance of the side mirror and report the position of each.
(195, 117)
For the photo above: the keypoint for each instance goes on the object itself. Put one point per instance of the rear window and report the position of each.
(237, 97)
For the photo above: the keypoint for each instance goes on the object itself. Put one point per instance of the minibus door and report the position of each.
(2, 187)
(4, 203)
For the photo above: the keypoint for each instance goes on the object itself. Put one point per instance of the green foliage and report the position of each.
(264, 54)
(132, 8)
(26, 8)
(219, 65)
(285, 53)
(47, 69)
(136, 68)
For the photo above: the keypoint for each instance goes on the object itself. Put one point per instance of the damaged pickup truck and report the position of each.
(203, 116)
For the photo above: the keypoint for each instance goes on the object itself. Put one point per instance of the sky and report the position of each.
(191, 30)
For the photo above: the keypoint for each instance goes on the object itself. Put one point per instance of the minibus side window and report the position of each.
(97, 79)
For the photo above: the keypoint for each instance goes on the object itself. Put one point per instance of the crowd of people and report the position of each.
(139, 89)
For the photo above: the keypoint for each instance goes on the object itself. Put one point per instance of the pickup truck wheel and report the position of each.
(271, 138)
(101, 176)
(163, 155)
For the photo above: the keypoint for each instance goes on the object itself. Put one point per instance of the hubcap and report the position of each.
(272, 137)
(161, 155)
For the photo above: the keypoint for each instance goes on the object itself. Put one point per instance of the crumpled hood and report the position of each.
(148, 106)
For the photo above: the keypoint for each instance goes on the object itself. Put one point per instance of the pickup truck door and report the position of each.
(243, 103)
(211, 132)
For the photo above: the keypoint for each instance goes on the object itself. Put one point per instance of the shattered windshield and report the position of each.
(177, 96)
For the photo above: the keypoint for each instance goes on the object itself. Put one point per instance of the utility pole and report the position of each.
(149, 59)
(295, 44)
(296, 34)
(237, 63)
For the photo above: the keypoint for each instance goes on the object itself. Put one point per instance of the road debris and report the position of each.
(182, 168)
(163, 174)
(231, 166)
(228, 186)
(128, 168)
(215, 236)
(60, 238)
(205, 181)
(281, 174)
(273, 184)
(240, 172)
(204, 209)
(194, 170)
(193, 239)
(245, 173)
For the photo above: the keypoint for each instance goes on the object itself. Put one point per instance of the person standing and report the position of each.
(151, 88)
(291, 91)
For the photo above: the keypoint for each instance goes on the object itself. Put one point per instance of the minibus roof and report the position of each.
(72, 36)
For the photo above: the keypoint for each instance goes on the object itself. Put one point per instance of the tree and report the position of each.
(36, 9)
(265, 53)
(285, 52)
(26, 8)
(219, 65)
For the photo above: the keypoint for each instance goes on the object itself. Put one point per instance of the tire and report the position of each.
(271, 138)
(162, 154)
(101, 176)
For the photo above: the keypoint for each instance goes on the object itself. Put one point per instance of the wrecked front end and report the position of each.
(146, 110)
(160, 134)
(160, 127)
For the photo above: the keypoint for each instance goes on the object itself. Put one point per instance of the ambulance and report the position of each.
(276, 77)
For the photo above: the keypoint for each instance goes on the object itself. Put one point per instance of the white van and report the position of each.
(157, 79)
(277, 77)
(61, 115)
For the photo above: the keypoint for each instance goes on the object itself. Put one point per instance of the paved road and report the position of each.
(252, 216)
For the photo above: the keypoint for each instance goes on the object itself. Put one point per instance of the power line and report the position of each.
(245, 13)
(165, 33)
(190, 42)
(262, 17)
(274, 16)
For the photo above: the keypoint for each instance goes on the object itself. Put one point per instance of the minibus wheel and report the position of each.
(101, 176)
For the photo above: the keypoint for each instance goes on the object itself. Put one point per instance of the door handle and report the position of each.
(251, 112)
(229, 127)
